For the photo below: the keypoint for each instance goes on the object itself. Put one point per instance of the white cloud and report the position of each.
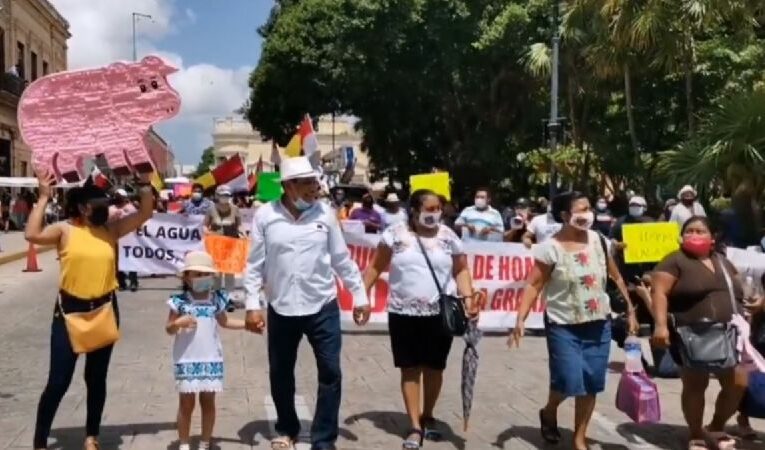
(191, 16)
(102, 33)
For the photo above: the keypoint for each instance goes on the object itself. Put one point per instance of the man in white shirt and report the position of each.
(481, 222)
(297, 247)
(540, 229)
(687, 208)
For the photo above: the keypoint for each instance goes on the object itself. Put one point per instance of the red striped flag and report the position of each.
(231, 173)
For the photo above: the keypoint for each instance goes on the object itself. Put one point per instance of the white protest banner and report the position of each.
(353, 226)
(498, 269)
(160, 245)
(748, 263)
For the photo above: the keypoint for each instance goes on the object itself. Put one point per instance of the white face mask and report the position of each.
(202, 284)
(582, 221)
(480, 203)
(602, 206)
(430, 219)
(636, 211)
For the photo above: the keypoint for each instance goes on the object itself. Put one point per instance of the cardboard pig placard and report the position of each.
(70, 116)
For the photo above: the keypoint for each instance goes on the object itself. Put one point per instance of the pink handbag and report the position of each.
(638, 397)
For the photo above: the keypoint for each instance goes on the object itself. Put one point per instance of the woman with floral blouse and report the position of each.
(571, 272)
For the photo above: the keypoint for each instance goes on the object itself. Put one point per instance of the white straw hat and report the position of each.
(298, 167)
(392, 198)
(198, 261)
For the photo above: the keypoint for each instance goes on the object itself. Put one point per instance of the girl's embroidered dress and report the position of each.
(197, 352)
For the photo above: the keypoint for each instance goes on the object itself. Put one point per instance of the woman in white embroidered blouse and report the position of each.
(419, 344)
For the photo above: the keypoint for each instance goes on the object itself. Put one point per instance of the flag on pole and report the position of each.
(253, 178)
(304, 142)
(276, 158)
(230, 173)
(98, 179)
(156, 181)
(309, 142)
(294, 147)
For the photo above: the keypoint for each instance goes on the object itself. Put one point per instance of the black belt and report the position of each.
(73, 304)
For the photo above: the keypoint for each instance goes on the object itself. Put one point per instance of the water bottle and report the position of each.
(633, 353)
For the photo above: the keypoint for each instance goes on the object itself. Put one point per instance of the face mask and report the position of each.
(698, 246)
(202, 284)
(196, 196)
(99, 215)
(367, 204)
(480, 203)
(430, 219)
(602, 206)
(636, 211)
(582, 221)
(301, 204)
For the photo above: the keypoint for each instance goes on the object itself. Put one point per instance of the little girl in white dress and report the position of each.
(197, 351)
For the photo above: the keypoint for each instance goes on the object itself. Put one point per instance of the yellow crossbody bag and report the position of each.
(91, 330)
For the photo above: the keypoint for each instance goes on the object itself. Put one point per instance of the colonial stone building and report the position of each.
(235, 136)
(33, 36)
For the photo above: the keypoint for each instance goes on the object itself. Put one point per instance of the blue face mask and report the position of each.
(302, 205)
(202, 284)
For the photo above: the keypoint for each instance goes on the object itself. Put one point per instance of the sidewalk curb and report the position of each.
(15, 256)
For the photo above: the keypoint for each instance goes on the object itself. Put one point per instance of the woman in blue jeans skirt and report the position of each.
(571, 271)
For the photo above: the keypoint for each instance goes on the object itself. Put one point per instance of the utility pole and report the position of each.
(135, 16)
(553, 126)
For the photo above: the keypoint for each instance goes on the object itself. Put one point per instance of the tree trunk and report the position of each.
(688, 63)
(630, 111)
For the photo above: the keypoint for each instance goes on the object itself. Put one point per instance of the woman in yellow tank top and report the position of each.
(88, 280)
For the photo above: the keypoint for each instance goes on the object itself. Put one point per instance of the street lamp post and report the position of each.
(136, 16)
(553, 125)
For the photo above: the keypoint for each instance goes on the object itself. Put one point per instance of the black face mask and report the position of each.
(367, 204)
(99, 215)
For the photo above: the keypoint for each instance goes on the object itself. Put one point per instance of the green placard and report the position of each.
(269, 186)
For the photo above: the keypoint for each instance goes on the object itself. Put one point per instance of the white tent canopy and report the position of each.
(29, 182)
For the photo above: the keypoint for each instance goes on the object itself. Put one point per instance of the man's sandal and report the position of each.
(413, 439)
(282, 443)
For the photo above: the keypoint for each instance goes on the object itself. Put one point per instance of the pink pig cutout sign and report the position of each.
(68, 116)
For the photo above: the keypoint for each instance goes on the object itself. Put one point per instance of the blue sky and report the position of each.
(214, 43)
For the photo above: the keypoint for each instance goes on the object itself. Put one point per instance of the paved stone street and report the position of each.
(141, 406)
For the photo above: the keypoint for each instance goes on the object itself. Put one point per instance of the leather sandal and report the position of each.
(549, 429)
(91, 444)
(429, 429)
(413, 440)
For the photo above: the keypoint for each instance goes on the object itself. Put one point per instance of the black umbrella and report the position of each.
(469, 368)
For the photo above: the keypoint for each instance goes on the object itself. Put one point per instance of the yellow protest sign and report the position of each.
(650, 242)
(437, 182)
(229, 254)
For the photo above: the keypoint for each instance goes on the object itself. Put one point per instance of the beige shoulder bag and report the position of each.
(91, 330)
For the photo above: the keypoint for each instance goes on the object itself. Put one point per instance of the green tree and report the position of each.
(728, 150)
(205, 163)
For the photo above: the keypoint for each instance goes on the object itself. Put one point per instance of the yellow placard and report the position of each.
(650, 242)
(229, 254)
(437, 182)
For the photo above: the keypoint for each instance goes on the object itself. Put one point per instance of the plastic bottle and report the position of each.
(632, 351)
